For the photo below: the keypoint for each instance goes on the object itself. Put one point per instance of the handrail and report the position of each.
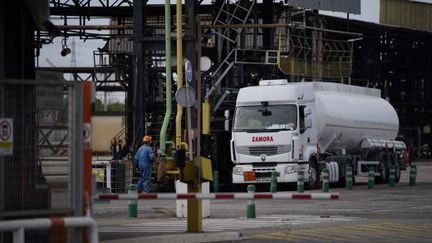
(19, 226)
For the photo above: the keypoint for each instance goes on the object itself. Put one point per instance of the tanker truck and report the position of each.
(308, 126)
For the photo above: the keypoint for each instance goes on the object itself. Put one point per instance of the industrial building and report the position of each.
(230, 44)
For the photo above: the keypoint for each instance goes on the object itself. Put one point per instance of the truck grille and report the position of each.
(267, 150)
(263, 175)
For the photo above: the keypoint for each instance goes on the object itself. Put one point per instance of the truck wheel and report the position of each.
(395, 162)
(342, 171)
(349, 163)
(314, 179)
(382, 169)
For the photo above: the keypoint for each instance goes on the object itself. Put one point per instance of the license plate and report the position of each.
(263, 179)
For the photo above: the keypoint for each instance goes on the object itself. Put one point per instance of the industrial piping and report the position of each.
(179, 37)
(168, 72)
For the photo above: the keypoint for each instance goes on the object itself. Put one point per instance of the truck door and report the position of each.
(305, 132)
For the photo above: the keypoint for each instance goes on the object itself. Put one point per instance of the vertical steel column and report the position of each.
(2, 107)
(138, 84)
(267, 19)
(75, 108)
(192, 37)
(2, 36)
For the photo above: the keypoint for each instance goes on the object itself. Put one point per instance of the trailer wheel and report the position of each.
(349, 163)
(395, 163)
(314, 178)
(383, 169)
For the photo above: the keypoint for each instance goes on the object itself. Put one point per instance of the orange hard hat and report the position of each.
(147, 139)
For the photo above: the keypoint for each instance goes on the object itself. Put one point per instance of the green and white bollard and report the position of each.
(216, 181)
(392, 177)
(300, 181)
(413, 174)
(132, 204)
(251, 203)
(371, 179)
(348, 178)
(273, 185)
(325, 181)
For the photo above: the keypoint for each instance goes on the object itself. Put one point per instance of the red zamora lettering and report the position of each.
(262, 139)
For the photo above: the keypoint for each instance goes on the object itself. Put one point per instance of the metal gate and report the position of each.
(40, 173)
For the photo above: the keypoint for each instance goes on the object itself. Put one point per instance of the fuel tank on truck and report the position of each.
(347, 114)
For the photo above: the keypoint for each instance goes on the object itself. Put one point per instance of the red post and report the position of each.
(87, 154)
(87, 139)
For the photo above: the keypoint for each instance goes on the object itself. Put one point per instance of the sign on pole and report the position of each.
(6, 136)
(188, 71)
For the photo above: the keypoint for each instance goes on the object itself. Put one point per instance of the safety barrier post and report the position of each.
(325, 182)
(371, 179)
(251, 203)
(392, 177)
(216, 181)
(413, 174)
(300, 181)
(132, 204)
(348, 178)
(273, 185)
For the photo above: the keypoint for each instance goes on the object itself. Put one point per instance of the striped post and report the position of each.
(216, 181)
(371, 179)
(325, 181)
(392, 177)
(132, 204)
(413, 174)
(300, 181)
(251, 203)
(348, 178)
(273, 185)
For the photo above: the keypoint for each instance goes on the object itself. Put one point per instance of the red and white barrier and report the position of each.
(235, 196)
(19, 226)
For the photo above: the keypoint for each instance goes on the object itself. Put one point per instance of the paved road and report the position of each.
(401, 214)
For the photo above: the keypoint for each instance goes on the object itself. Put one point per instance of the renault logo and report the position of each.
(263, 157)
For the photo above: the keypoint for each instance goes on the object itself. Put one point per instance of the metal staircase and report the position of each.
(230, 13)
(237, 56)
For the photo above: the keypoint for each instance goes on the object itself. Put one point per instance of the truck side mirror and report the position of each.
(226, 123)
(308, 122)
(307, 111)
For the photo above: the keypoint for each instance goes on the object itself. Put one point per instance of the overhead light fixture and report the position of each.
(65, 49)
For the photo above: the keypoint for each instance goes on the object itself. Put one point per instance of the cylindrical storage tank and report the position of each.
(344, 119)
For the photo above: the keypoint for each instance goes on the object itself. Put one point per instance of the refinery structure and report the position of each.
(180, 66)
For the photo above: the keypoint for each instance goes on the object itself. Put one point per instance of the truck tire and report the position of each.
(343, 162)
(396, 165)
(349, 163)
(314, 175)
(383, 169)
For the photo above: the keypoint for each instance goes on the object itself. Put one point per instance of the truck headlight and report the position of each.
(238, 171)
(290, 169)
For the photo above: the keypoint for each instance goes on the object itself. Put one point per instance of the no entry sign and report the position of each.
(6, 136)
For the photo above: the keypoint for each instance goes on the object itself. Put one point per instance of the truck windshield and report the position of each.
(272, 117)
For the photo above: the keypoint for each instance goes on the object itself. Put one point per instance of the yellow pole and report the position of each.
(179, 39)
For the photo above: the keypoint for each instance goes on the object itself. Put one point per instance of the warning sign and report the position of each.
(6, 136)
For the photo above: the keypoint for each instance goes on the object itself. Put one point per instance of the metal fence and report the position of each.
(38, 179)
(112, 176)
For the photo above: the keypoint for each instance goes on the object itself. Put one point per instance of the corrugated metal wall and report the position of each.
(346, 6)
(413, 15)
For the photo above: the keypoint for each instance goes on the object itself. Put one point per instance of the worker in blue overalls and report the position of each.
(143, 161)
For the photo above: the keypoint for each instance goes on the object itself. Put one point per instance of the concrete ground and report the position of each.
(402, 214)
